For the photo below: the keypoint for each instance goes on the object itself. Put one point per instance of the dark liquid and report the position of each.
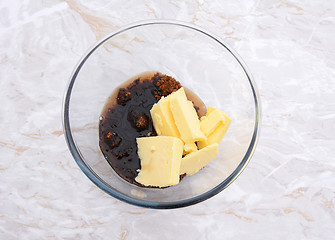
(125, 117)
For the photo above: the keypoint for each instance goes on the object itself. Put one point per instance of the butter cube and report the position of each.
(160, 158)
(186, 118)
(193, 162)
(162, 118)
(214, 125)
(190, 147)
(210, 109)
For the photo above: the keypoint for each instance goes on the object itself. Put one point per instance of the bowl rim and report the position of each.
(149, 204)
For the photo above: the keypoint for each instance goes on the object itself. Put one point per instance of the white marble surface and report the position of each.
(286, 192)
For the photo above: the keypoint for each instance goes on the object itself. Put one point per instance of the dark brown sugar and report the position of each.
(123, 96)
(138, 119)
(165, 85)
(126, 117)
(125, 121)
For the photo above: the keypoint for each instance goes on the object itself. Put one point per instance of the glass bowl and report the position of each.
(202, 63)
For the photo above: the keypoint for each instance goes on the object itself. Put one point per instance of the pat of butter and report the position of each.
(190, 147)
(162, 118)
(186, 118)
(193, 162)
(214, 125)
(160, 158)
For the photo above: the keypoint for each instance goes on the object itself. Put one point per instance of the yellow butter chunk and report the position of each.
(160, 158)
(214, 125)
(186, 118)
(162, 118)
(210, 109)
(193, 162)
(190, 147)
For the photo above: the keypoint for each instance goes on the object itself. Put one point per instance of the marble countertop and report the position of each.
(286, 192)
